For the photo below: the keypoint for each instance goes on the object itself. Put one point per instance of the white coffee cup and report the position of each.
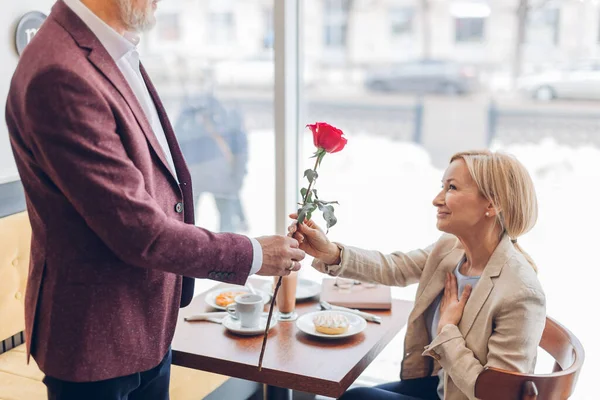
(247, 309)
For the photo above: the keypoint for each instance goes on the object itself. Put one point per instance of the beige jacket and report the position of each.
(502, 322)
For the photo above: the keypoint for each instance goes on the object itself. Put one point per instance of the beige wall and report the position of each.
(11, 12)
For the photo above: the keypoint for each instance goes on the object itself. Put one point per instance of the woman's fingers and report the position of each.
(454, 287)
(465, 295)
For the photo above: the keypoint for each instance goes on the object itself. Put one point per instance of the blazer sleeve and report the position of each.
(518, 329)
(73, 137)
(395, 269)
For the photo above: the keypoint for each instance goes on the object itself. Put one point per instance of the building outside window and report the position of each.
(221, 21)
(335, 17)
(469, 21)
(543, 27)
(401, 21)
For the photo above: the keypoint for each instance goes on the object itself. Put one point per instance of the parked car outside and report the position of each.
(578, 81)
(424, 76)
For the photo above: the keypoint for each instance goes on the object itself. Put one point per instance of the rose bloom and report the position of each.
(327, 137)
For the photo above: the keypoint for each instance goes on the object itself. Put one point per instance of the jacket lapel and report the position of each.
(436, 284)
(100, 58)
(183, 173)
(484, 287)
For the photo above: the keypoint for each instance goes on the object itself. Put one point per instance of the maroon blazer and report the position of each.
(112, 228)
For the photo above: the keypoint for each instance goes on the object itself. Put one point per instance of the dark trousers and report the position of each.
(152, 384)
(410, 389)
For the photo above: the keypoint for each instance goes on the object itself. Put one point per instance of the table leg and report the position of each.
(276, 393)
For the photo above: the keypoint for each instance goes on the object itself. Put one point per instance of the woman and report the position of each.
(479, 303)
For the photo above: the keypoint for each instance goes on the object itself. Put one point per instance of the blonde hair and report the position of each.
(505, 183)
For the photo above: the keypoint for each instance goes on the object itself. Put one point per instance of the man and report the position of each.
(111, 208)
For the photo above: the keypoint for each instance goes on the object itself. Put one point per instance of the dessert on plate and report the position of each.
(226, 298)
(331, 323)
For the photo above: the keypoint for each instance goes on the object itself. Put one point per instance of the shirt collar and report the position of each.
(115, 44)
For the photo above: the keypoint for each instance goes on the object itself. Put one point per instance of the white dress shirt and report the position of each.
(123, 50)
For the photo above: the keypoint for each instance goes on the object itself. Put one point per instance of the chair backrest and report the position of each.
(15, 241)
(568, 353)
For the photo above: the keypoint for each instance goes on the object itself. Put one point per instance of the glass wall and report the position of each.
(212, 62)
(411, 82)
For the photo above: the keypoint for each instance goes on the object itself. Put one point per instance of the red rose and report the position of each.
(327, 137)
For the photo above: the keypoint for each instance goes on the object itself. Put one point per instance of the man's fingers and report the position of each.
(293, 243)
(297, 266)
(297, 254)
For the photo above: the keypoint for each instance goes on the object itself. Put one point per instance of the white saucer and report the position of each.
(306, 325)
(234, 325)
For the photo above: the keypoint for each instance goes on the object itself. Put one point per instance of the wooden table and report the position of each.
(293, 359)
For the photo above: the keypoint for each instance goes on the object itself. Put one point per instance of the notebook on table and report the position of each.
(359, 296)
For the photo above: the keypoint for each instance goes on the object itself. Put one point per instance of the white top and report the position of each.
(123, 50)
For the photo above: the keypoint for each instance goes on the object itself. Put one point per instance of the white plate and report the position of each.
(212, 295)
(234, 325)
(306, 325)
(307, 289)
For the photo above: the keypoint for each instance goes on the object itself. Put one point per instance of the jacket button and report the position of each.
(211, 275)
(179, 208)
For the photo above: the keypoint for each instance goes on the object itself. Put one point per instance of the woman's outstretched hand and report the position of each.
(313, 241)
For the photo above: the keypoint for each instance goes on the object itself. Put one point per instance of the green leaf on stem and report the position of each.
(303, 192)
(315, 193)
(311, 175)
(328, 215)
(324, 203)
(306, 211)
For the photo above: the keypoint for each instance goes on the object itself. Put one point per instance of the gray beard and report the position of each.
(136, 20)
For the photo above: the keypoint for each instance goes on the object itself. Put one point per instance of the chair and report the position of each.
(567, 351)
(19, 380)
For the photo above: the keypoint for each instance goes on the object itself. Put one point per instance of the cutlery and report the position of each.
(209, 316)
(368, 316)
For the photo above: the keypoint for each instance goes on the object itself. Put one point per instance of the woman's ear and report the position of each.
(491, 211)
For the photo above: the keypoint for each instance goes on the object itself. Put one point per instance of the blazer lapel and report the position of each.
(102, 60)
(436, 284)
(485, 285)
(183, 173)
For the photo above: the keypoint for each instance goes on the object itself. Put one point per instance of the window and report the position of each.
(168, 28)
(221, 27)
(401, 21)
(468, 30)
(470, 20)
(336, 22)
(269, 32)
(543, 27)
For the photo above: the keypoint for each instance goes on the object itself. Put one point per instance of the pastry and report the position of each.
(331, 323)
(226, 298)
